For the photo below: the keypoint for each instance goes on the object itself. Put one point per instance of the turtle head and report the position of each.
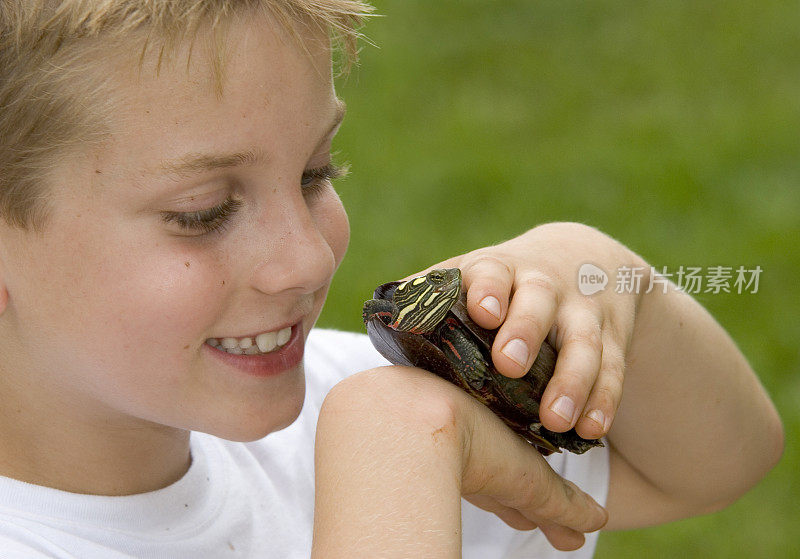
(422, 302)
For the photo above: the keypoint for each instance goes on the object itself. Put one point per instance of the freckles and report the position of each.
(195, 275)
(198, 278)
(175, 300)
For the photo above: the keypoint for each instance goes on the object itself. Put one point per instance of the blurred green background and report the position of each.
(672, 126)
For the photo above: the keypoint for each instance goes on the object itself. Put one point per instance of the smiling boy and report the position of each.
(168, 236)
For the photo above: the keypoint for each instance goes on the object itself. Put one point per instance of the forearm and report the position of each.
(396, 449)
(694, 420)
(384, 482)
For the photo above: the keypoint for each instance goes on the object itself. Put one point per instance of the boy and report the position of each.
(168, 236)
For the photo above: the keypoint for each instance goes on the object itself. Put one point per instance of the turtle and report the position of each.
(423, 322)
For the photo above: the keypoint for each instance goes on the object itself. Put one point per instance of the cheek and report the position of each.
(165, 299)
(122, 308)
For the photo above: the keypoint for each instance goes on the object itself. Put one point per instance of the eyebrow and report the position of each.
(194, 163)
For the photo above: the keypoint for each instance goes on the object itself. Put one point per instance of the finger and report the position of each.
(580, 350)
(563, 539)
(555, 501)
(487, 282)
(508, 515)
(501, 465)
(530, 316)
(606, 394)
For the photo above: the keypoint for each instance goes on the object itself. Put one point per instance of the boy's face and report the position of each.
(111, 307)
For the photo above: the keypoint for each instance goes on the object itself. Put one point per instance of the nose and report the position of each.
(298, 256)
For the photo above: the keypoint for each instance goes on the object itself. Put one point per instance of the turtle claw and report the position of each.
(539, 440)
(476, 382)
(478, 374)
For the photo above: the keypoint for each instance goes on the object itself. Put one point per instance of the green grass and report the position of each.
(672, 126)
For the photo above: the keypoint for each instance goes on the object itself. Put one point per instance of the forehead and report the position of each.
(275, 93)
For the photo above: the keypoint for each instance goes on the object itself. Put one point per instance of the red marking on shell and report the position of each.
(452, 348)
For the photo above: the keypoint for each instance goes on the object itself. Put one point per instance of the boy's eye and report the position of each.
(315, 180)
(204, 221)
(214, 219)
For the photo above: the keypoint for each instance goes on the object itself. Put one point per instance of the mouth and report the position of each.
(267, 354)
(258, 344)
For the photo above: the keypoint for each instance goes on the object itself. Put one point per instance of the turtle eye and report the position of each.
(436, 276)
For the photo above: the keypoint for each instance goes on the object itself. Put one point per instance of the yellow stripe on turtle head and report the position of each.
(422, 302)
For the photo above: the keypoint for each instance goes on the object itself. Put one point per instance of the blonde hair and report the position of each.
(52, 98)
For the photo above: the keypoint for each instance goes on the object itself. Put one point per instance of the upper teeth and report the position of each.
(262, 343)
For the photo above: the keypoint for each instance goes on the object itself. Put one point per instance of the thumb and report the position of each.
(500, 465)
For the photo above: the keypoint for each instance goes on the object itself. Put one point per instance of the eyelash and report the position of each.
(204, 221)
(320, 177)
(214, 219)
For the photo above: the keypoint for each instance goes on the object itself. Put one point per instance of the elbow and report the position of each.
(778, 441)
(764, 458)
(773, 445)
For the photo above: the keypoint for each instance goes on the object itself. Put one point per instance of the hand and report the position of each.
(528, 288)
(396, 448)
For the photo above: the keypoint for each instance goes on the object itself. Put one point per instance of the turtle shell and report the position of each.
(515, 401)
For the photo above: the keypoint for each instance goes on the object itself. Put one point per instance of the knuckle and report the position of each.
(536, 496)
(613, 372)
(589, 337)
(483, 260)
(572, 383)
(538, 281)
(593, 306)
(608, 395)
(617, 331)
(612, 369)
(571, 227)
(558, 506)
(614, 356)
(532, 326)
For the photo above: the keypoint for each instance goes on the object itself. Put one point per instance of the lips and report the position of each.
(253, 345)
(281, 358)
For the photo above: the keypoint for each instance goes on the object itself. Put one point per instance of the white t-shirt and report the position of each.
(253, 500)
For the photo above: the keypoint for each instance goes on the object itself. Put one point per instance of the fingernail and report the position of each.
(491, 305)
(598, 417)
(564, 408)
(517, 351)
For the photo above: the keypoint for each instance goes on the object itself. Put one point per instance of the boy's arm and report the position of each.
(691, 431)
(397, 447)
(695, 429)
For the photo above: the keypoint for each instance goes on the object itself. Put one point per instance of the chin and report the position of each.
(259, 432)
(259, 423)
